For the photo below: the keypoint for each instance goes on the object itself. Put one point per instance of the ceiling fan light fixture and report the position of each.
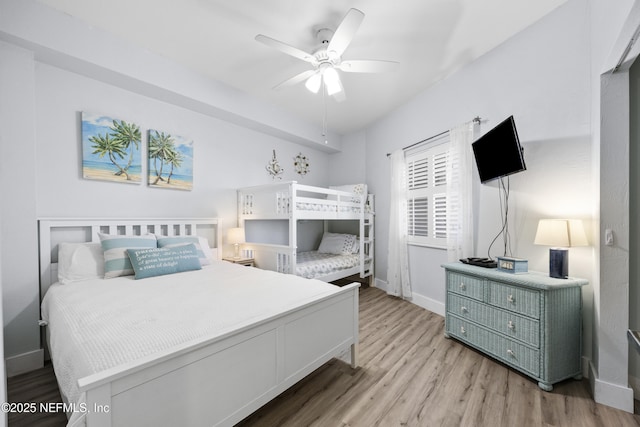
(332, 81)
(327, 58)
(313, 83)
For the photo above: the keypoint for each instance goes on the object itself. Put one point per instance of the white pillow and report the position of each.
(356, 246)
(201, 243)
(80, 261)
(114, 248)
(335, 243)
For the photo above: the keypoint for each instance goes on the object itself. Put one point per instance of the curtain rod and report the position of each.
(475, 120)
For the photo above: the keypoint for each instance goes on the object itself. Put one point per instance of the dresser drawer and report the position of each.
(470, 286)
(506, 322)
(517, 299)
(506, 350)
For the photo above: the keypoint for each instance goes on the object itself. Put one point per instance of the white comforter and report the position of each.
(98, 324)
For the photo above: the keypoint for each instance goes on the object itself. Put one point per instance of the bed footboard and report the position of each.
(222, 380)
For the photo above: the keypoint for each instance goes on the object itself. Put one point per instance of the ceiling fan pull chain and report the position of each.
(324, 113)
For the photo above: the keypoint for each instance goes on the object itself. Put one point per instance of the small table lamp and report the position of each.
(560, 234)
(235, 236)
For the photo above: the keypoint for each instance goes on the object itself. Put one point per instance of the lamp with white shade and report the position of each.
(235, 236)
(560, 234)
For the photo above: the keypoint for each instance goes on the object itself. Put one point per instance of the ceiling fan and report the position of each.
(327, 58)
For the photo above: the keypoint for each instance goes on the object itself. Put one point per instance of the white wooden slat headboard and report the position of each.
(52, 231)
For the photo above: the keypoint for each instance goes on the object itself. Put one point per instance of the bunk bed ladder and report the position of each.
(366, 239)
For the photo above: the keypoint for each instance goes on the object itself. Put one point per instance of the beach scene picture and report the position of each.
(110, 149)
(170, 161)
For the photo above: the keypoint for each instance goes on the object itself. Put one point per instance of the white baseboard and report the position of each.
(24, 362)
(613, 395)
(417, 299)
(428, 304)
(380, 284)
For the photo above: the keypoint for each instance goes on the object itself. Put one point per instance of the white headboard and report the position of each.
(52, 231)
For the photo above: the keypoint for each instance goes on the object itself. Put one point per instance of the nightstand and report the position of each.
(248, 262)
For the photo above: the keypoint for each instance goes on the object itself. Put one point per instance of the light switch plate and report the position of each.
(608, 237)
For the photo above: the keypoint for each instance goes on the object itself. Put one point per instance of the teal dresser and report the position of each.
(529, 321)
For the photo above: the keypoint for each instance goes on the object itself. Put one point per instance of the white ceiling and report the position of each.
(430, 38)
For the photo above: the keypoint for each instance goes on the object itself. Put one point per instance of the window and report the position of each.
(427, 195)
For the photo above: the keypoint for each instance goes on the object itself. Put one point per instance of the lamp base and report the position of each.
(559, 263)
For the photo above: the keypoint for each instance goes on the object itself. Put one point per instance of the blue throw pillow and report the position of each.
(202, 246)
(114, 247)
(159, 261)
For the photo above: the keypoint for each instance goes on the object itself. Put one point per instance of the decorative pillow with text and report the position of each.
(160, 261)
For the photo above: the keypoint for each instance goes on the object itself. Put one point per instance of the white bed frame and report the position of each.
(279, 201)
(214, 381)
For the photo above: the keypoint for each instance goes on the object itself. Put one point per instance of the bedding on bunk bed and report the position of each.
(96, 324)
(359, 191)
(336, 252)
(313, 264)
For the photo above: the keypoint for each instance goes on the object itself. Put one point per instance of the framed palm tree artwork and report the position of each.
(110, 149)
(170, 161)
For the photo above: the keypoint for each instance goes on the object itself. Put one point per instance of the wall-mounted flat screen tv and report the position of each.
(498, 152)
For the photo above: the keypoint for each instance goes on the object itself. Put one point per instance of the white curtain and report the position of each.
(398, 263)
(460, 192)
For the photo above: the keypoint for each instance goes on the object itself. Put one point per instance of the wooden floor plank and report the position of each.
(409, 375)
(487, 398)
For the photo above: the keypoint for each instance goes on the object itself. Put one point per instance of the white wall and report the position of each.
(19, 244)
(612, 31)
(3, 372)
(226, 156)
(634, 226)
(349, 165)
(67, 42)
(43, 91)
(541, 76)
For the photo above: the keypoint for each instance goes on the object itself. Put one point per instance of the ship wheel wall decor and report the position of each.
(301, 164)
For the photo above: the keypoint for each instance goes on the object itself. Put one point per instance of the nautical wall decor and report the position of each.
(273, 167)
(301, 164)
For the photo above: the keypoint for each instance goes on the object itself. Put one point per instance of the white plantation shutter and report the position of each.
(418, 216)
(440, 217)
(427, 201)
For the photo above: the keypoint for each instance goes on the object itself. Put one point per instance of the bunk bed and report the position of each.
(292, 202)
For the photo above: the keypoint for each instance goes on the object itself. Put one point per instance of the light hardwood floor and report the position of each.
(409, 375)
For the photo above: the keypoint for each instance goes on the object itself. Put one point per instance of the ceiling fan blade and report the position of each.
(345, 31)
(368, 66)
(283, 47)
(296, 79)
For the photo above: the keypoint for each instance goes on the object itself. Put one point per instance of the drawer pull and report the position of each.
(511, 299)
(463, 287)
(511, 353)
(462, 330)
(511, 325)
(464, 309)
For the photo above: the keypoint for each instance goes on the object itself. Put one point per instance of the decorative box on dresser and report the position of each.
(529, 321)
